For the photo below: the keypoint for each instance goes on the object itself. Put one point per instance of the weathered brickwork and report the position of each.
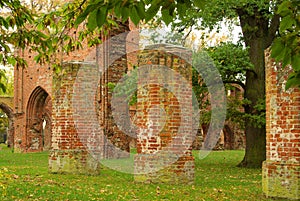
(78, 146)
(48, 117)
(41, 125)
(281, 170)
(32, 103)
(115, 66)
(164, 118)
(6, 105)
(68, 153)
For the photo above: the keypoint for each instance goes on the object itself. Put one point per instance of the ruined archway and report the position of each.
(228, 138)
(38, 121)
(10, 131)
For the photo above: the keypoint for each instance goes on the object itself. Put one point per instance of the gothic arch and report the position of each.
(228, 137)
(9, 112)
(38, 120)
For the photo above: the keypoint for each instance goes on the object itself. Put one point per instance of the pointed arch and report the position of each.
(38, 137)
(10, 131)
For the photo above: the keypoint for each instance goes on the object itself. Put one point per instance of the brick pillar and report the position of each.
(75, 145)
(281, 170)
(113, 65)
(84, 131)
(164, 117)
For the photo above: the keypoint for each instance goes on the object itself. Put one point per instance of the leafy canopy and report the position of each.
(286, 47)
(21, 27)
(186, 13)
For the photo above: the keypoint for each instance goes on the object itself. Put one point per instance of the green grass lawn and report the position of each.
(26, 177)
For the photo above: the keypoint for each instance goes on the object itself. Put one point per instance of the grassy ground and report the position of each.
(26, 177)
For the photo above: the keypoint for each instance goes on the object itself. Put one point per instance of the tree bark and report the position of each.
(258, 35)
(254, 91)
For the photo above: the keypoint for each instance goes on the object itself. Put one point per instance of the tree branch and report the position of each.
(273, 29)
(81, 4)
(183, 40)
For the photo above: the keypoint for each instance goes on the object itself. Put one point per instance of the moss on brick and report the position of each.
(73, 162)
(281, 180)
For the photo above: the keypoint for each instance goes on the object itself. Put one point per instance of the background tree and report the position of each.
(233, 62)
(259, 25)
(7, 90)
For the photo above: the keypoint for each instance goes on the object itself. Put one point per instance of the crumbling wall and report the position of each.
(26, 82)
(83, 128)
(164, 116)
(281, 170)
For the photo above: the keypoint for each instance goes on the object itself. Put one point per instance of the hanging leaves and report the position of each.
(134, 16)
(293, 80)
(84, 14)
(97, 14)
(286, 48)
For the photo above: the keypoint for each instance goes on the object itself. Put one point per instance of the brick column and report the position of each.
(164, 117)
(84, 131)
(74, 149)
(281, 170)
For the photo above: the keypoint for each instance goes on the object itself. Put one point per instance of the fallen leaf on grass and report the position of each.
(15, 176)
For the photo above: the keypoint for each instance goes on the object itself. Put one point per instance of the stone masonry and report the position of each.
(281, 170)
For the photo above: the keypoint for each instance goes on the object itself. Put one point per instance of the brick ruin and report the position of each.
(81, 135)
(164, 116)
(43, 120)
(281, 170)
(6, 105)
(32, 106)
(40, 101)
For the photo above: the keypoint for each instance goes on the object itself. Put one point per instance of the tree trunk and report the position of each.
(259, 31)
(255, 91)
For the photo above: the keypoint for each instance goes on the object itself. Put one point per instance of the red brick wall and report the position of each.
(115, 57)
(26, 81)
(68, 152)
(84, 130)
(281, 170)
(164, 117)
(6, 105)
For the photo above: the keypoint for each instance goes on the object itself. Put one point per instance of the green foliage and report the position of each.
(128, 89)
(6, 82)
(232, 61)
(17, 32)
(286, 48)
(111, 86)
(144, 10)
(258, 116)
(3, 125)
(46, 33)
(3, 80)
(154, 36)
